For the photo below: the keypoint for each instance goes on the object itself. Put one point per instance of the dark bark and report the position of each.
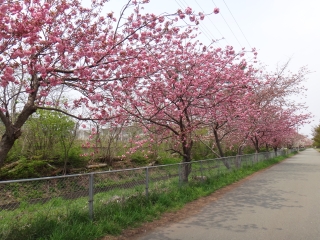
(13, 130)
(218, 142)
(186, 166)
(255, 142)
(12, 133)
(185, 170)
(6, 144)
(275, 151)
(238, 157)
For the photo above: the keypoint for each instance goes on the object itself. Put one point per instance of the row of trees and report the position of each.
(141, 69)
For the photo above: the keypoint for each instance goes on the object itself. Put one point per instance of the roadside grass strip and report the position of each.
(68, 219)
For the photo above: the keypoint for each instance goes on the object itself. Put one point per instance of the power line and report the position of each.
(207, 34)
(211, 22)
(228, 26)
(182, 6)
(237, 24)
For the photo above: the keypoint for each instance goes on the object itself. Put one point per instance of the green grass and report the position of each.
(68, 219)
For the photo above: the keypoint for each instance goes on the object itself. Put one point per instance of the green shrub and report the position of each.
(15, 152)
(26, 169)
(201, 152)
(139, 159)
(168, 160)
(74, 158)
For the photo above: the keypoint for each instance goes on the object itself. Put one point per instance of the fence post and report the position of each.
(180, 174)
(201, 170)
(91, 192)
(147, 182)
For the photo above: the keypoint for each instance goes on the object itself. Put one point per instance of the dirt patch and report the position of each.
(188, 210)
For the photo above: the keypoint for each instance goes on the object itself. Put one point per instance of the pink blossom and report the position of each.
(201, 16)
(216, 10)
(9, 70)
(188, 10)
(182, 16)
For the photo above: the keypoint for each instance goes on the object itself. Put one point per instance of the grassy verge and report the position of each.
(69, 219)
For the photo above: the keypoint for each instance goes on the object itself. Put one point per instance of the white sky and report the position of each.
(278, 29)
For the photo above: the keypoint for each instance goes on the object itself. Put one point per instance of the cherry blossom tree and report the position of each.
(274, 113)
(52, 47)
(225, 118)
(262, 115)
(181, 85)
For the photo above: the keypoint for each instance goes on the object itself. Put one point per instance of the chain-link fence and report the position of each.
(56, 198)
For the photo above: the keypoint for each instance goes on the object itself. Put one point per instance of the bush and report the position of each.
(168, 160)
(138, 159)
(26, 169)
(74, 158)
(201, 152)
(15, 152)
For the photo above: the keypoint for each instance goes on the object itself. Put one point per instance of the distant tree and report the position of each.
(274, 114)
(316, 136)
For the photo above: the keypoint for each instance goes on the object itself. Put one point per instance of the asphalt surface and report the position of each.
(280, 203)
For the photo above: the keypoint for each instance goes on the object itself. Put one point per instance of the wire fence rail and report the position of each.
(54, 198)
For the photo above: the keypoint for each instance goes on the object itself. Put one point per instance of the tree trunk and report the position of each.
(185, 169)
(238, 157)
(267, 147)
(275, 151)
(13, 130)
(186, 166)
(6, 143)
(217, 140)
(255, 142)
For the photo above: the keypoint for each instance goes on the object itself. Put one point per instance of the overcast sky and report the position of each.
(279, 29)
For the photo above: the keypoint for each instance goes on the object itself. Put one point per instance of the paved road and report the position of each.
(281, 203)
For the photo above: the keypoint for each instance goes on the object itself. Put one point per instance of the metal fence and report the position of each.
(55, 198)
